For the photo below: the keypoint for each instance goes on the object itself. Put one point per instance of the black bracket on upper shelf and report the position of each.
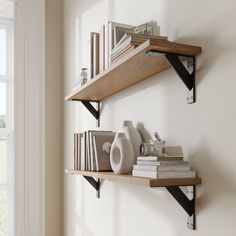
(186, 73)
(91, 109)
(95, 184)
(187, 202)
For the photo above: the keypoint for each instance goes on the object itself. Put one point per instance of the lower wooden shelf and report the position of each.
(137, 180)
(187, 201)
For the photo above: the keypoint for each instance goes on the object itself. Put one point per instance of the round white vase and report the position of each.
(133, 136)
(121, 155)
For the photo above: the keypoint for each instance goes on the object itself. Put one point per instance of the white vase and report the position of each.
(121, 155)
(134, 136)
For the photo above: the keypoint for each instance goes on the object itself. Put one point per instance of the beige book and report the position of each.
(121, 55)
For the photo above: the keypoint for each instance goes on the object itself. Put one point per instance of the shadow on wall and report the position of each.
(216, 182)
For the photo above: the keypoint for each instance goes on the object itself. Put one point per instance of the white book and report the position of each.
(157, 163)
(165, 174)
(162, 168)
(83, 148)
(91, 66)
(101, 49)
(75, 151)
(164, 158)
(80, 136)
(95, 54)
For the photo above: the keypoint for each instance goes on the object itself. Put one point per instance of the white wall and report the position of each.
(206, 129)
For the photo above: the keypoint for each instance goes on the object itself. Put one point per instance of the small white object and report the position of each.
(84, 76)
(121, 155)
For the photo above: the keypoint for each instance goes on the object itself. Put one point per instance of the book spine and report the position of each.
(101, 49)
(107, 45)
(162, 168)
(75, 151)
(80, 135)
(91, 55)
(95, 54)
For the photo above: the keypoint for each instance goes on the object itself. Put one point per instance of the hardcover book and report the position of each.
(164, 158)
(165, 174)
(157, 163)
(162, 167)
(75, 151)
(102, 143)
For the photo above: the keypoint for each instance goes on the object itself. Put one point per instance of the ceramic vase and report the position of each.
(121, 155)
(133, 136)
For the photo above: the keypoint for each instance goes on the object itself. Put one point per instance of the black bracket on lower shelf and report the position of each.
(187, 202)
(186, 74)
(91, 109)
(95, 184)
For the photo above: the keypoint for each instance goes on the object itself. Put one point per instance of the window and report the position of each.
(6, 118)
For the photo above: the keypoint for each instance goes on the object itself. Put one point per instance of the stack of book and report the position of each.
(129, 42)
(114, 40)
(165, 167)
(92, 150)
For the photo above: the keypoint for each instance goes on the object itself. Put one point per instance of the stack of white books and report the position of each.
(166, 167)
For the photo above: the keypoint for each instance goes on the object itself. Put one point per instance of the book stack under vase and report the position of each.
(165, 167)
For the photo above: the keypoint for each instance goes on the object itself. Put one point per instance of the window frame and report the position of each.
(8, 79)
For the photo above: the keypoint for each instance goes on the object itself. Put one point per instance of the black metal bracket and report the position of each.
(91, 109)
(187, 202)
(186, 73)
(95, 184)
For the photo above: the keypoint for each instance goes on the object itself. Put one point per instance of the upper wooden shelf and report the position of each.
(137, 180)
(131, 69)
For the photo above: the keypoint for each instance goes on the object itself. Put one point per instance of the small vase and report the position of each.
(133, 136)
(121, 155)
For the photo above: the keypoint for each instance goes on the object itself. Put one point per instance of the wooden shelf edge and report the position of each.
(137, 180)
(156, 45)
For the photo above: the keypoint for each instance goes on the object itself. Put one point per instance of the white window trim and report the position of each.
(8, 131)
(29, 118)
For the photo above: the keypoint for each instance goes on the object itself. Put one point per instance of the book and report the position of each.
(157, 158)
(91, 56)
(133, 39)
(102, 49)
(83, 153)
(95, 53)
(86, 150)
(122, 54)
(80, 136)
(165, 174)
(75, 151)
(157, 163)
(102, 143)
(161, 167)
(88, 155)
(145, 37)
(113, 33)
(91, 133)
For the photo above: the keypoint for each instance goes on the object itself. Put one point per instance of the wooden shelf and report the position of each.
(137, 180)
(131, 69)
